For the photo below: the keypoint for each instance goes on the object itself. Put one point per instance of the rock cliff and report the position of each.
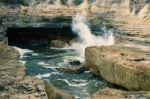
(126, 63)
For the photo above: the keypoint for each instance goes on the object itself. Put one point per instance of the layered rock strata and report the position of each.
(124, 66)
(119, 94)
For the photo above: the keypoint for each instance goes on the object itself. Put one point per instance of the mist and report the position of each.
(85, 36)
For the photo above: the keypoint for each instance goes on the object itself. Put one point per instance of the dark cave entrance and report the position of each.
(39, 35)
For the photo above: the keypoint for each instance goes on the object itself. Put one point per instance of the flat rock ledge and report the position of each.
(125, 66)
(109, 93)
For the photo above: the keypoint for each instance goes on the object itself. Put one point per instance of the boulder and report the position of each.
(55, 93)
(79, 69)
(57, 44)
(109, 93)
(76, 62)
(125, 66)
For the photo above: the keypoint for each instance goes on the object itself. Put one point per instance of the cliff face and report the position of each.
(36, 2)
(131, 19)
(47, 9)
(109, 8)
(122, 8)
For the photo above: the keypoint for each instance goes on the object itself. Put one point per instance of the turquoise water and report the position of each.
(43, 61)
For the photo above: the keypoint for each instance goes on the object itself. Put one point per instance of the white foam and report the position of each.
(22, 51)
(42, 63)
(23, 62)
(86, 38)
(55, 73)
(73, 84)
(64, 48)
(79, 80)
(43, 76)
(35, 54)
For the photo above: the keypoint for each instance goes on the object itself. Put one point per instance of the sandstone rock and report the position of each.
(119, 8)
(120, 94)
(144, 11)
(30, 88)
(124, 66)
(54, 93)
(133, 28)
(57, 44)
(13, 83)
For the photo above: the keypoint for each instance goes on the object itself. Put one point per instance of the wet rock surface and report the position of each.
(79, 69)
(58, 44)
(76, 62)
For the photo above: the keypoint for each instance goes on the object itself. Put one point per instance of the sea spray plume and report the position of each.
(108, 36)
(86, 38)
(80, 27)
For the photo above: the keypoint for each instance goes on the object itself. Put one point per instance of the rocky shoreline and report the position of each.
(15, 85)
(126, 63)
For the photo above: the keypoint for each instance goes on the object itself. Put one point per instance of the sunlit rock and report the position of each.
(124, 66)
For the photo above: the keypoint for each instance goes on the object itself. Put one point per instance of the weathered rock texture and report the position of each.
(110, 8)
(121, 8)
(119, 65)
(54, 93)
(58, 44)
(124, 66)
(13, 83)
(128, 16)
(119, 94)
(41, 15)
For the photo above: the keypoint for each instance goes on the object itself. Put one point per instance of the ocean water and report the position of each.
(43, 61)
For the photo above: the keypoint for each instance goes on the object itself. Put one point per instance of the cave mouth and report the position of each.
(38, 36)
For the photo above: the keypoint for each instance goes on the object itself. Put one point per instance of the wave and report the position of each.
(43, 76)
(86, 38)
(47, 75)
(74, 84)
(42, 63)
(22, 52)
